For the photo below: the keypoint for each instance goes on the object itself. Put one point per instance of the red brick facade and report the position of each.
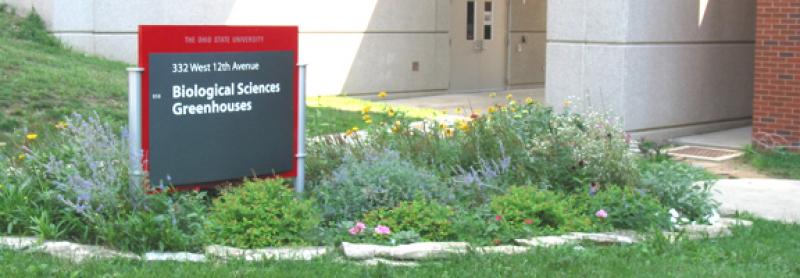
(776, 103)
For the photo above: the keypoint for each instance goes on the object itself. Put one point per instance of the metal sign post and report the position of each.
(135, 124)
(299, 181)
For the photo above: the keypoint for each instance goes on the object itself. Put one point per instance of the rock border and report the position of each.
(366, 254)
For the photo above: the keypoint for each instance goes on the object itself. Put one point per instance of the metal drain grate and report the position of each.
(704, 153)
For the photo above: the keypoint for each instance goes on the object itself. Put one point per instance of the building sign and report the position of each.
(219, 103)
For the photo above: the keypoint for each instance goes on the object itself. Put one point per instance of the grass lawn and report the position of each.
(768, 249)
(43, 81)
(776, 163)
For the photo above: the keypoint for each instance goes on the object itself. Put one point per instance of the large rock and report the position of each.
(546, 241)
(504, 249)
(177, 256)
(277, 253)
(415, 251)
(17, 243)
(606, 238)
(379, 261)
(79, 252)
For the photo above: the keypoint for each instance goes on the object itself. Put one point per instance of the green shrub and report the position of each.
(529, 210)
(430, 220)
(628, 208)
(379, 180)
(680, 186)
(261, 213)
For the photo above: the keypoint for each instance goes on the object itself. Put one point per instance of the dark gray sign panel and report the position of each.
(220, 116)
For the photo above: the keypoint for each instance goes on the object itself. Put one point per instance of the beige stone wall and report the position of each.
(667, 67)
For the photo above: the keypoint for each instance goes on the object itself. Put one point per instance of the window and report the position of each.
(488, 18)
(470, 20)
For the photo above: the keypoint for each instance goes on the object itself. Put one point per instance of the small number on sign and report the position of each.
(180, 68)
(156, 96)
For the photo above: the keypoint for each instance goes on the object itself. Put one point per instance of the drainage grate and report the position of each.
(704, 153)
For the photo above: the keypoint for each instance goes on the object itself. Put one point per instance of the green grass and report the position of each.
(42, 82)
(768, 249)
(777, 163)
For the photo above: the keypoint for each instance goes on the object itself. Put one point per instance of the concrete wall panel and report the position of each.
(671, 85)
(73, 16)
(683, 21)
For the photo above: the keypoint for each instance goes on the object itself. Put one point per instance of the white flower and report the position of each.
(714, 217)
(684, 219)
(674, 213)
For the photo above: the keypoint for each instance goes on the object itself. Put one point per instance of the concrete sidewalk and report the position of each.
(735, 139)
(770, 199)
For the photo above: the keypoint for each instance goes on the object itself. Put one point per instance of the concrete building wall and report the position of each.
(667, 67)
(342, 41)
(777, 74)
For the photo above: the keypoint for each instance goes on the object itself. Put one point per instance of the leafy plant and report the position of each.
(261, 213)
(379, 180)
(430, 220)
(628, 208)
(530, 210)
(679, 186)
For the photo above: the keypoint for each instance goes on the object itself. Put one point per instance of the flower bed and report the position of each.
(519, 171)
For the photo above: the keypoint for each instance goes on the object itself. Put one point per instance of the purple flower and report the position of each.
(601, 214)
(382, 230)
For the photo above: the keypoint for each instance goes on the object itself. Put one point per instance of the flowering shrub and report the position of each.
(261, 213)
(74, 184)
(627, 208)
(530, 210)
(430, 220)
(379, 180)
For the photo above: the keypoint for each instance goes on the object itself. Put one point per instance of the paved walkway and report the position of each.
(770, 199)
(736, 138)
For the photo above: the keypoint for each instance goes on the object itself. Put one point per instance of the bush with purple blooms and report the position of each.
(73, 183)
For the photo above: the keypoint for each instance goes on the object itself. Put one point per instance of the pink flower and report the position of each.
(528, 221)
(498, 218)
(357, 229)
(382, 230)
(601, 214)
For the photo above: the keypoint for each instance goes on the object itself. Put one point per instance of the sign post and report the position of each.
(300, 180)
(217, 104)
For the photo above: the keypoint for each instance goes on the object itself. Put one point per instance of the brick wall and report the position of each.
(776, 103)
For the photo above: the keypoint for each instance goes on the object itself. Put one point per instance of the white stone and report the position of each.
(505, 249)
(415, 251)
(79, 252)
(276, 253)
(546, 241)
(605, 238)
(17, 243)
(379, 261)
(178, 256)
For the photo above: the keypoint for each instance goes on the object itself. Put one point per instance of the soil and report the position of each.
(729, 169)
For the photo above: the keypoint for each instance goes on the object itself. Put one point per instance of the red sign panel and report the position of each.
(219, 103)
